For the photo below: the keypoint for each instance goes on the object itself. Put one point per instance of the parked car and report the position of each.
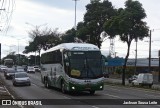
(31, 70)
(21, 78)
(9, 73)
(143, 79)
(134, 77)
(37, 69)
(3, 68)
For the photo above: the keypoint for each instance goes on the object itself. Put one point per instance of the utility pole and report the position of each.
(149, 68)
(115, 54)
(18, 52)
(159, 66)
(75, 14)
(135, 57)
(0, 54)
(35, 58)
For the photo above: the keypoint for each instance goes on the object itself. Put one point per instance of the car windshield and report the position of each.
(11, 71)
(31, 68)
(20, 69)
(35, 67)
(21, 75)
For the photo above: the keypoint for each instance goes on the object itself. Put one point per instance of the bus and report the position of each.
(73, 67)
(8, 62)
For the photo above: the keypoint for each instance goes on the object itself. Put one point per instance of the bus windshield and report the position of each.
(85, 64)
(8, 62)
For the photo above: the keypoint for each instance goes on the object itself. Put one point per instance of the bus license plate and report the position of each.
(87, 86)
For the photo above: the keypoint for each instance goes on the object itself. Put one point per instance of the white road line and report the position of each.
(9, 93)
(112, 96)
(34, 84)
(95, 107)
(12, 96)
(66, 97)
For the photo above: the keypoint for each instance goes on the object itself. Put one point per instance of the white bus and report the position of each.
(8, 62)
(73, 67)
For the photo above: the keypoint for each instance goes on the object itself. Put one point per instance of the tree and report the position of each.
(91, 28)
(69, 36)
(42, 39)
(129, 25)
(11, 55)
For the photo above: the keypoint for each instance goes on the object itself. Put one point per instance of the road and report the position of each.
(38, 91)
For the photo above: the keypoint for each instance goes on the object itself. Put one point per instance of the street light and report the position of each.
(28, 61)
(75, 13)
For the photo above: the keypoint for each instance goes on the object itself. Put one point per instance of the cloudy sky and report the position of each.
(59, 14)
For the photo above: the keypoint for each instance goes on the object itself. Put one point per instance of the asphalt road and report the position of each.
(38, 91)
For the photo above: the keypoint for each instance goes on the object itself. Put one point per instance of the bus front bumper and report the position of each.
(86, 87)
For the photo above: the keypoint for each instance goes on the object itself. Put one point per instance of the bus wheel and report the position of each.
(46, 84)
(63, 87)
(92, 92)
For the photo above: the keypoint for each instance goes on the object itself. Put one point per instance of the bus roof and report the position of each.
(74, 47)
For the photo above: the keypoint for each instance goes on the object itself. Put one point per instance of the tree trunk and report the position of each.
(125, 62)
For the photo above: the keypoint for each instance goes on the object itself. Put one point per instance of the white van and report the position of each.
(143, 79)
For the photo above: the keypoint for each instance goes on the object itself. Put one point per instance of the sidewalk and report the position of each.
(4, 94)
(119, 81)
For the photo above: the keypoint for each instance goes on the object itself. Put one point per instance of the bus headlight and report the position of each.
(73, 88)
(101, 87)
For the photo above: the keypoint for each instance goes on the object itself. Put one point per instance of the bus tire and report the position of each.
(92, 92)
(63, 87)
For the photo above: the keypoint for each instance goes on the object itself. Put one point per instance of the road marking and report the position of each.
(112, 96)
(66, 97)
(34, 84)
(12, 96)
(94, 106)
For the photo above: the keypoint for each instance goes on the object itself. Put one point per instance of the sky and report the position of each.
(27, 14)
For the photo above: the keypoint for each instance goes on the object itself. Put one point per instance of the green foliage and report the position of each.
(44, 39)
(91, 28)
(11, 55)
(129, 71)
(69, 36)
(22, 59)
(128, 24)
(118, 70)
